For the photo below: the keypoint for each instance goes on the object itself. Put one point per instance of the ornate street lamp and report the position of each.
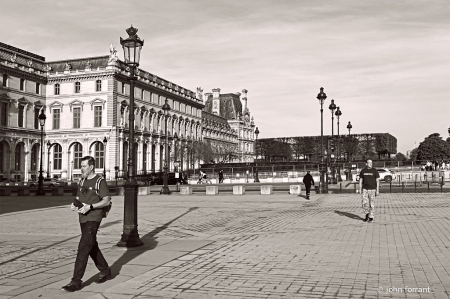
(256, 160)
(165, 188)
(338, 113)
(40, 190)
(349, 127)
(323, 165)
(130, 237)
(105, 141)
(49, 146)
(332, 107)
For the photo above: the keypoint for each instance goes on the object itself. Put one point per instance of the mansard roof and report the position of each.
(79, 64)
(230, 105)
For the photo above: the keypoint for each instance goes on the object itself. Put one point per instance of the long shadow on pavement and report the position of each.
(349, 215)
(150, 243)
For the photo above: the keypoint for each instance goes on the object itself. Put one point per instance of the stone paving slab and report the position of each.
(251, 246)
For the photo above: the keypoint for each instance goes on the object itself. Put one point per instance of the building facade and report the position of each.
(232, 107)
(86, 102)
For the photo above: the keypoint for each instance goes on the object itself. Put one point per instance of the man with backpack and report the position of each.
(92, 202)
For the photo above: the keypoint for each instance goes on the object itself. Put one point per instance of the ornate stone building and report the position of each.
(86, 100)
(240, 129)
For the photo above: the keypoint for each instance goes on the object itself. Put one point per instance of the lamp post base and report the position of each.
(130, 235)
(165, 190)
(323, 183)
(40, 193)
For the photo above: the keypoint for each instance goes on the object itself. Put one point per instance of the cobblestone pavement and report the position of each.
(250, 246)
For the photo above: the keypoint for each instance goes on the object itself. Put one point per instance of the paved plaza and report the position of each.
(231, 246)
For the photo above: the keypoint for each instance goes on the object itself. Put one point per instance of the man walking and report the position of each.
(92, 197)
(308, 181)
(369, 187)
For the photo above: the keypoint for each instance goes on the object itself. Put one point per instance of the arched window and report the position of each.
(34, 157)
(57, 156)
(99, 155)
(17, 156)
(77, 155)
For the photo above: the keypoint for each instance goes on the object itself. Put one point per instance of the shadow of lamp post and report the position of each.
(40, 190)
(130, 237)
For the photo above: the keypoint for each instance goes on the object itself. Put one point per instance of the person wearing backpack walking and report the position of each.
(92, 202)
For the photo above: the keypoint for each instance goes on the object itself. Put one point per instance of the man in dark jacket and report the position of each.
(308, 181)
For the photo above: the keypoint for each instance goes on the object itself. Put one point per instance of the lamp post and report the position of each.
(256, 160)
(332, 107)
(40, 190)
(105, 141)
(49, 146)
(165, 188)
(323, 165)
(71, 171)
(338, 113)
(349, 127)
(130, 237)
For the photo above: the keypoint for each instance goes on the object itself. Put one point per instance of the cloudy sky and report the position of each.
(385, 63)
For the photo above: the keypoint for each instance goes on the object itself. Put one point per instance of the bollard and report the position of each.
(390, 187)
(340, 187)
(428, 187)
(403, 186)
(415, 187)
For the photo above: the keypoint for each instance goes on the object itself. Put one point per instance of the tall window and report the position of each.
(20, 116)
(38, 88)
(4, 114)
(77, 155)
(97, 116)
(76, 117)
(142, 94)
(77, 87)
(98, 85)
(5, 80)
(57, 156)
(56, 118)
(22, 84)
(57, 87)
(99, 155)
(122, 88)
(17, 156)
(34, 156)
(36, 118)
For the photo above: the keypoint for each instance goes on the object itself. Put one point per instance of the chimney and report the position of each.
(244, 99)
(216, 101)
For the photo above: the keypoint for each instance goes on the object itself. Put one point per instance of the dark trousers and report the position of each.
(88, 247)
(308, 190)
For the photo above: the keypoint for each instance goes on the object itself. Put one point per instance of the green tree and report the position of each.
(413, 154)
(350, 146)
(366, 146)
(433, 148)
(381, 146)
(400, 157)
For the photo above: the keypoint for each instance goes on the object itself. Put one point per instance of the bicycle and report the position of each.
(204, 182)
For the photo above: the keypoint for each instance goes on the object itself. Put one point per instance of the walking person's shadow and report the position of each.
(150, 243)
(349, 215)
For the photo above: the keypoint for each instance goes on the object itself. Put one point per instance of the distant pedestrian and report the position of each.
(369, 187)
(308, 181)
(91, 201)
(220, 176)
